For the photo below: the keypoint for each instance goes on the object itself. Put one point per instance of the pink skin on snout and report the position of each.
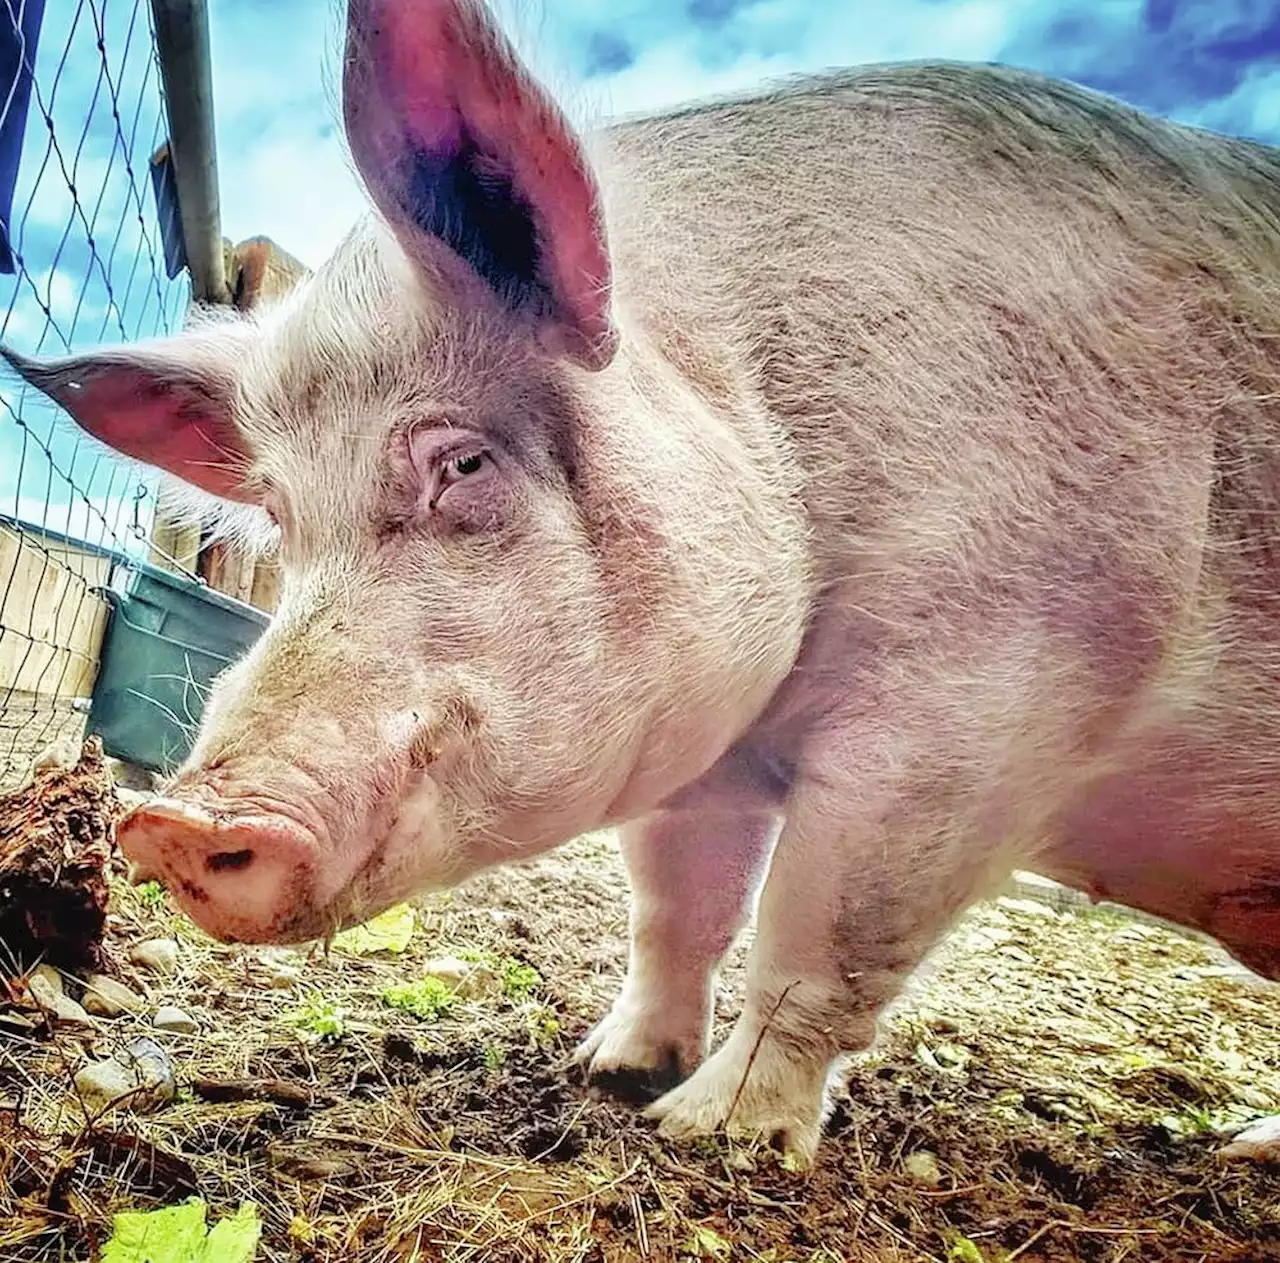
(244, 878)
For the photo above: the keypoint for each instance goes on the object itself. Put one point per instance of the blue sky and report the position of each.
(1215, 63)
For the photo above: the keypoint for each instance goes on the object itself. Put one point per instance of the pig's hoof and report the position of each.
(637, 1057)
(780, 1103)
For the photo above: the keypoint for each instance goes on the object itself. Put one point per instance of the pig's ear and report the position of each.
(459, 146)
(143, 402)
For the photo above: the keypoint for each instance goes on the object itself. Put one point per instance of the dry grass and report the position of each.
(1066, 1071)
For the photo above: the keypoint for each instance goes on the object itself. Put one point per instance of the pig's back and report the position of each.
(925, 261)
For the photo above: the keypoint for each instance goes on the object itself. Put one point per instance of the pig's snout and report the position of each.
(248, 877)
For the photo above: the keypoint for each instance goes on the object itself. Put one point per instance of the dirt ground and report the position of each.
(1053, 1089)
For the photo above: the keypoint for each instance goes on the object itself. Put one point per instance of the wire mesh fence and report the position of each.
(83, 261)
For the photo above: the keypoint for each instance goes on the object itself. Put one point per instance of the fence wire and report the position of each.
(88, 267)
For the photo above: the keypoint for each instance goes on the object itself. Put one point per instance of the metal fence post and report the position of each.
(182, 41)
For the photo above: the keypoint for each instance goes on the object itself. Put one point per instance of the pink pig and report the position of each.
(875, 481)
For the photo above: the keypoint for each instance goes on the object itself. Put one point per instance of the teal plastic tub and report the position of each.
(167, 638)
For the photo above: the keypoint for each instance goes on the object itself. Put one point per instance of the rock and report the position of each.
(170, 1018)
(65, 1009)
(922, 1167)
(141, 1072)
(44, 986)
(159, 955)
(1259, 1142)
(108, 998)
(472, 980)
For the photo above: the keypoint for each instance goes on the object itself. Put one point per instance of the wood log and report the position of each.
(57, 837)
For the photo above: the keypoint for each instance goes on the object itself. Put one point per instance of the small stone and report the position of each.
(470, 979)
(142, 1072)
(922, 1167)
(170, 1018)
(159, 955)
(44, 985)
(108, 998)
(65, 1009)
(1031, 907)
(1259, 1142)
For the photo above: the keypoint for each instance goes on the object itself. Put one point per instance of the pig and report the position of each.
(258, 271)
(849, 491)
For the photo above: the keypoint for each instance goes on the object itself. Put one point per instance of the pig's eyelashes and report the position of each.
(465, 466)
(456, 481)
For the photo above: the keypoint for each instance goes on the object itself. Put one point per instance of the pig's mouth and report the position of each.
(250, 870)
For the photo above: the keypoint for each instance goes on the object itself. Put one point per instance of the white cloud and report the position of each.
(295, 186)
(59, 292)
(282, 166)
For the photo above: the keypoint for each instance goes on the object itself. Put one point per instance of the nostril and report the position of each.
(229, 861)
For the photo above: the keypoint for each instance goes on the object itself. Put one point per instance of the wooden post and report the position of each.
(257, 270)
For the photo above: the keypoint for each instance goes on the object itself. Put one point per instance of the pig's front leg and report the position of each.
(692, 874)
(865, 878)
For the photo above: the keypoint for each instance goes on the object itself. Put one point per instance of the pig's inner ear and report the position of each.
(460, 148)
(174, 419)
